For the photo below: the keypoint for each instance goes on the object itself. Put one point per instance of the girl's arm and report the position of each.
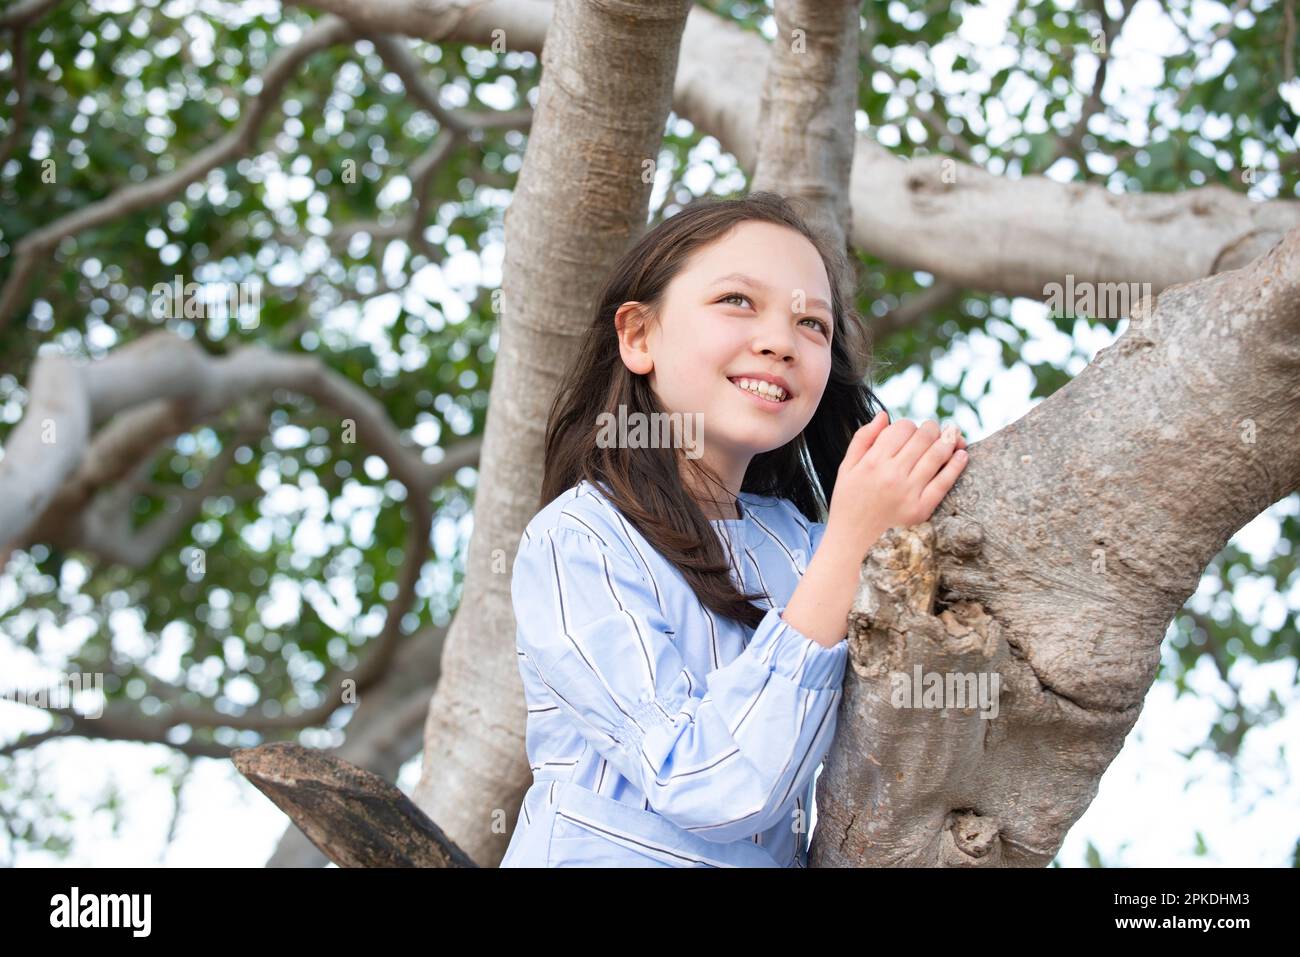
(819, 607)
(718, 757)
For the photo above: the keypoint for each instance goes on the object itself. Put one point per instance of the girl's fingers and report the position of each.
(895, 437)
(863, 438)
(942, 483)
(917, 445)
(935, 456)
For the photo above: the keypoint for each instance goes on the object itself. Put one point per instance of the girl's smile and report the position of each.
(768, 397)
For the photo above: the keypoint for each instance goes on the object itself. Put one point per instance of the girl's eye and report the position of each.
(821, 323)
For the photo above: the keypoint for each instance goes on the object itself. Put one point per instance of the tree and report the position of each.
(1090, 500)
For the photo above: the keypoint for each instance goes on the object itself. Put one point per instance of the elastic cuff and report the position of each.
(790, 653)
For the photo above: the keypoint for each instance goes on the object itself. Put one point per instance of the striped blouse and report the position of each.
(660, 734)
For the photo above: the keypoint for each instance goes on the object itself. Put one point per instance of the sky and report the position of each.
(1151, 802)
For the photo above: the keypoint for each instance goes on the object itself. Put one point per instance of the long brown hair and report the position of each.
(645, 484)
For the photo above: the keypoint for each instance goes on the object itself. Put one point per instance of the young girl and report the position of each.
(672, 721)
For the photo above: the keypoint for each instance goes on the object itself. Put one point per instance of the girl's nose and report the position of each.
(777, 338)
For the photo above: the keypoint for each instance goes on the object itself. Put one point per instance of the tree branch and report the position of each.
(1071, 143)
(19, 117)
(355, 818)
(806, 112)
(115, 724)
(911, 310)
(383, 732)
(455, 128)
(24, 13)
(1056, 563)
(930, 118)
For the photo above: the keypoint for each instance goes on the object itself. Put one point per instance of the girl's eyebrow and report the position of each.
(754, 283)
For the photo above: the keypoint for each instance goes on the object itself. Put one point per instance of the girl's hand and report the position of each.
(893, 474)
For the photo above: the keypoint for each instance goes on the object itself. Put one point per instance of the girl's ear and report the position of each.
(633, 330)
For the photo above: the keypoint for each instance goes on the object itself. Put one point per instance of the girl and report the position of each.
(673, 722)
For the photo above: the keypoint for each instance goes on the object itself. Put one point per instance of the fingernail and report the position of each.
(950, 434)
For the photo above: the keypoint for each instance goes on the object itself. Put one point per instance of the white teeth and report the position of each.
(762, 388)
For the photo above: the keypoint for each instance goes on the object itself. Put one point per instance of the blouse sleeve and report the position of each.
(721, 765)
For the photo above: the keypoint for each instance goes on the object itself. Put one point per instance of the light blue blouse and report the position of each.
(659, 733)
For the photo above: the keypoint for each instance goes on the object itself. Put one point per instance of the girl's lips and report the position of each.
(771, 404)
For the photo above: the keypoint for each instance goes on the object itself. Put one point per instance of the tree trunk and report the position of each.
(602, 107)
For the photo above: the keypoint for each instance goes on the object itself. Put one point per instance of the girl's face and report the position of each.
(717, 328)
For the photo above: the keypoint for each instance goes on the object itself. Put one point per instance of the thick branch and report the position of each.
(66, 400)
(355, 818)
(806, 112)
(1056, 564)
